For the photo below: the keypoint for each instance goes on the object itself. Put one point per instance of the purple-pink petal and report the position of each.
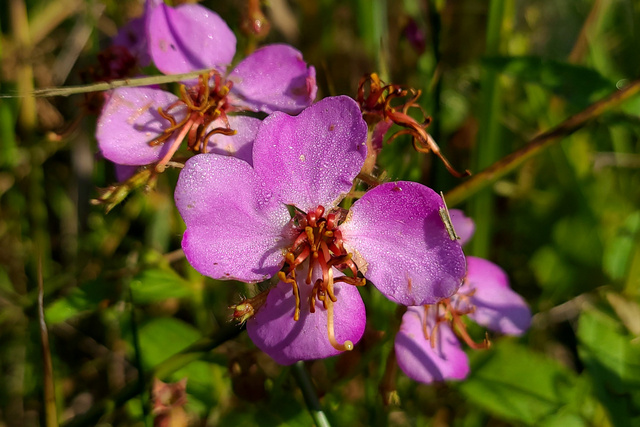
(124, 172)
(239, 145)
(421, 361)
(311, 159)
(498, 307)
(462, 224)
(234, 227)
(130, 120)
(274, 78)
(287, 341)
(401, 245)
(189, 37)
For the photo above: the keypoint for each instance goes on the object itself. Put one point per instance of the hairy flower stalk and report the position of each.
(239, 227)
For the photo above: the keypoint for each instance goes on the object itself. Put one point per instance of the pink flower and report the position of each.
(426, 346)
(239, 227)
(140, 126)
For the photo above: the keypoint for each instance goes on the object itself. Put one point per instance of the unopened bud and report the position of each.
(248, 308)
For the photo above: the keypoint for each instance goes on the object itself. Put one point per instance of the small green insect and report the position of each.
(446, 220)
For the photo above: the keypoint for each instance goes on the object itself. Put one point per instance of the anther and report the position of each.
(347, 345)
(310, 236)
(283, 278)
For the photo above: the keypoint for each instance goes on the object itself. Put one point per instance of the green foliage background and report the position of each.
(121, 303)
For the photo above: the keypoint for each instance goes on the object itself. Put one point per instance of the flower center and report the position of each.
(205, 102)
(451, 310)
(319, 241)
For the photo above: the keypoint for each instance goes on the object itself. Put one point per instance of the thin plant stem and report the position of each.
(539, 143)
(144, 397)
(434, 89)
(488, 145)
(373, 31)
(24, 75)
(50, 410)
(104, 86)
(309, 393)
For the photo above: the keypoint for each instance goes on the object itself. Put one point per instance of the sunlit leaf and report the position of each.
(157, 285)
(518, 384)
(612, 359)
(578, 84)
(162, 337)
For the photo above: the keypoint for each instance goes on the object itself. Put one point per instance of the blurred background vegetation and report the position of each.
(122, 304)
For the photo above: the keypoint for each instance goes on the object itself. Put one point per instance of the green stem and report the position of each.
(50, 410)
(507, 164)
(24, 79)
(488, 144)
(372, 16)
(138, 361)
(309, 393)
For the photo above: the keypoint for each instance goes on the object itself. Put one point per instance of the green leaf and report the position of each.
(619, 250)
(575, 236)
(158, 285)
(564, 420)
(162, 337)
(612, 359)
(579, 85)
(517, 384)
(553, 273)
(86, 297)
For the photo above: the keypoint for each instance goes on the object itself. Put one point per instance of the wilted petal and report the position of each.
(274, 78)
(130, 120)
(234, 227)
(498, 307)
(401, 244)
(311, 159)
(462, 224)
(189, 37)
(239, 145)
(133, 36)
(287, 341)
(422, 362)
(379, 131)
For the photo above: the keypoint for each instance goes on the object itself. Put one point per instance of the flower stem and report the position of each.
(535, 146)
(51, 414)
(488, 145)
(142, 392)
(309, 393)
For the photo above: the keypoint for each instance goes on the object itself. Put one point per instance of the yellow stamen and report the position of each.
(328, 302)
(283, 278)
(347, 345)
(310, 236)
